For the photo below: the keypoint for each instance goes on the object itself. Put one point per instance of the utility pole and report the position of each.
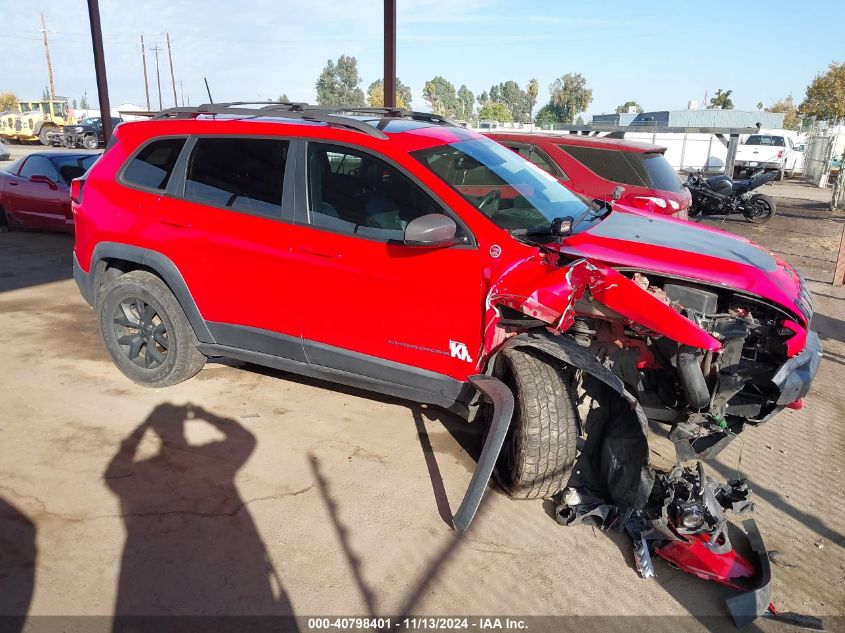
(49, 63)
(389, 53)
(100, 67)
(156, 49)
(172, 78)
(144, 61)
(182, 91)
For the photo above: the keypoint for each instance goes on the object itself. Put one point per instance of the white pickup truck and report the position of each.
(772, 152)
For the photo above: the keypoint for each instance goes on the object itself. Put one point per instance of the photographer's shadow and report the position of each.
(192, 547)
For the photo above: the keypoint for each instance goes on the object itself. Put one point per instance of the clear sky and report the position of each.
(660, 53)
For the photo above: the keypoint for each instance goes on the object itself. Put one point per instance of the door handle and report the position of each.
(309, 250)
(13, 184)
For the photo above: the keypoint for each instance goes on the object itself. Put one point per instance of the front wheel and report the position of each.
(540, 446)
(44, 135)
(90, 142)
(146, 331)
(759, 209)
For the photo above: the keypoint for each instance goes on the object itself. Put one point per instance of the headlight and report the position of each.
(692, 518)
(77, 129)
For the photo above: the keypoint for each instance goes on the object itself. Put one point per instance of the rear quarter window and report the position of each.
(153, 165)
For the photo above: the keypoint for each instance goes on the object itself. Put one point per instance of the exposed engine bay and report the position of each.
(706, 396)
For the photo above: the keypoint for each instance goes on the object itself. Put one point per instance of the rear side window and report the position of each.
(764, 139)
(152, 166)
(243, 174)
(628, 168)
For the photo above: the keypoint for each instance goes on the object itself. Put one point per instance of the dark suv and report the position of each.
(396, 252)
(88, 133)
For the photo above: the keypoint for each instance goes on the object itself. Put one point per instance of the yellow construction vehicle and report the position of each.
(40, 121)
(7, 124)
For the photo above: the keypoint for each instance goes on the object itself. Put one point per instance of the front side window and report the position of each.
(39, 166)
(243, 174)
(354, 192)
(152, 166)
(536, 156)
(514, 193)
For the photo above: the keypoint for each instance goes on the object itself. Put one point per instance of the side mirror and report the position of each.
(434, 229)
(617, 193)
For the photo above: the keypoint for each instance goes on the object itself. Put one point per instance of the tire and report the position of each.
(90, 142)
(780, 175)
(540, 446)
(759, 209)
(146, 331)
(42, 135)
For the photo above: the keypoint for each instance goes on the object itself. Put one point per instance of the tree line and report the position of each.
(569, 95)
(339, 84)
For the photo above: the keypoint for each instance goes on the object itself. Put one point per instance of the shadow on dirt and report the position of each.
(192, 547)
(829, 328)
(31, 259)
(17, 566)
(424, 579)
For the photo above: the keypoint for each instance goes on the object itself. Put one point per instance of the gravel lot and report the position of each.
(278, 494)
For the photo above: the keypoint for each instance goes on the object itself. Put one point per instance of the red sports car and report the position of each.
(35, 190)
(592, 166)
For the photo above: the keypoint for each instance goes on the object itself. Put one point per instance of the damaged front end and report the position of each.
(705, 360)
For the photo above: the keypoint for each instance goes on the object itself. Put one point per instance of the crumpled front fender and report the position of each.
(548, 293)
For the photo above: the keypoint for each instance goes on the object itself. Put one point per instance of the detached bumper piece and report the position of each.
(684, 523)
(500, 395)
(795, 376)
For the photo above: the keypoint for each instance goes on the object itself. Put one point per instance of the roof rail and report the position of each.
(333, 115)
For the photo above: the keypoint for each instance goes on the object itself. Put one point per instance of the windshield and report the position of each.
(89, 121)
(514, 193)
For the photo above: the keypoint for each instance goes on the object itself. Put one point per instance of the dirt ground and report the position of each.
(273, 494)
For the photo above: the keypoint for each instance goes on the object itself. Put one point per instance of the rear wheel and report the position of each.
(759, 209)
(146, 331)
(540, 447)
(780, 175)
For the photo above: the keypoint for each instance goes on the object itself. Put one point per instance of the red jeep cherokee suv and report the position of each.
(593, 166)
(396, 252)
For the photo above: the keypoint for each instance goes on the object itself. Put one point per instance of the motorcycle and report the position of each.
(721, 195)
